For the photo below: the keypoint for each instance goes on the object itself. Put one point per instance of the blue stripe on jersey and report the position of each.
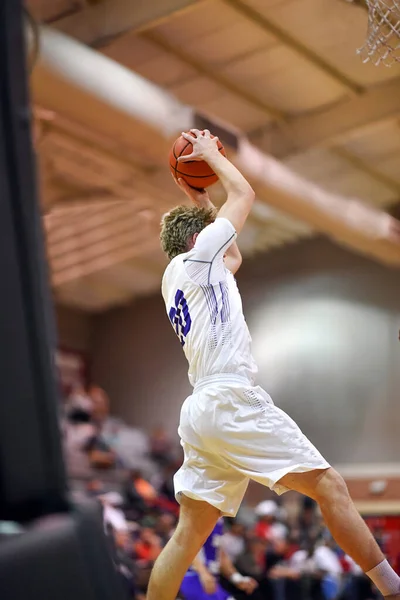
(226, 309)
(212, 302)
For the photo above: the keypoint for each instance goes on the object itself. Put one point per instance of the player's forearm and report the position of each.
(227, 568)
(231, 178)
(199, 566)
(240, 193)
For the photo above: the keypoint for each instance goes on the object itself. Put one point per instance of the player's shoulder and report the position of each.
(220, 228)
(172, 269)
(174, 264)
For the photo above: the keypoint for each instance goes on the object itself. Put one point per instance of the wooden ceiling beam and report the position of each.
(126, 249)
(102, 22)
(75, 226)
(331, 125)
(224, 82)
(82, 256)
(362, 228)
(100, 263)
(361, 165)
(294, 44)
(82, 242)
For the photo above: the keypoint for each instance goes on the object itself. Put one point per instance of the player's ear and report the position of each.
(191, 241)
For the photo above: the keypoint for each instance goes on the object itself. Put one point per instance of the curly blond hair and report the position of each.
(179, 226)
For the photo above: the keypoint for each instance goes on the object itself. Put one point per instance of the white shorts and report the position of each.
(232, 432)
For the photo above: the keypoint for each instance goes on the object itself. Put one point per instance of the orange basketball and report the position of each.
(196, 173)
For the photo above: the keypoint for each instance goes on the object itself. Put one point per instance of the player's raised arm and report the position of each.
(240, 195)
(201, 199)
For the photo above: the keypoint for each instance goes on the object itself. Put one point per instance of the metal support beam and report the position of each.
(329, 126)
(102, 22)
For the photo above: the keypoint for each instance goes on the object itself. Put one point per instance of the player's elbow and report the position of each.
(252, 193)
(238, 265)
(249, 194)
(243, 195)
(234, 264)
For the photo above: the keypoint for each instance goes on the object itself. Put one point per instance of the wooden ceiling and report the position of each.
(284, 72)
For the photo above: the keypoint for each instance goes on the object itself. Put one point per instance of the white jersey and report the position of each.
(205, 308)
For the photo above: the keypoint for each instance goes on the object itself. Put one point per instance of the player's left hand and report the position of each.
(203, 145)
(248, 585)
(200, 198)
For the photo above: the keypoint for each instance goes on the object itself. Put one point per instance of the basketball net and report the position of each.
(383, 37)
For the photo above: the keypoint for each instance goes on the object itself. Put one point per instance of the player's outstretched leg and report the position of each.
(196, 522)
(347, 527)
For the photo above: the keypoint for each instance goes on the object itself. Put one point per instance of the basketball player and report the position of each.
(201, 583)
(230, 429)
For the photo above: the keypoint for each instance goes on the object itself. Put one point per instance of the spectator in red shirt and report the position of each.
(149, 546)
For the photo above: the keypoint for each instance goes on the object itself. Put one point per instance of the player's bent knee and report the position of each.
(331, 487)
(196, 521)
(189, 535)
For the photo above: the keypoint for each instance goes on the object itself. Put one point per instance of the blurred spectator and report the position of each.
(203, 579)
(138, 486)
(161, 446)
(77, 432)
(265, 512)
(382, 538)
(123, 556)
(165, 527)
(101, 456)
(252, 561)
(166, 486)
(85, 448)
(268, 527)
(309, 521)
(320, 569)
(94, 488)
(100, 405)
(79, 405)
(130, 445)
(149, 545)
(139, 495)
(293, 541)
(233, 541)
(114, 516)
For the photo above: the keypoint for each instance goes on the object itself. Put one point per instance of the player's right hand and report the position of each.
(200, 198)
(203, 144)
(208, 582)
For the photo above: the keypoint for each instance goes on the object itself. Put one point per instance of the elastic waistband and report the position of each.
(226, 378)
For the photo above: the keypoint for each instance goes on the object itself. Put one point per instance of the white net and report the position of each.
(383, 38)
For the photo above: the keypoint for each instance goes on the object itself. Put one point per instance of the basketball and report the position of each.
(196, 173)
